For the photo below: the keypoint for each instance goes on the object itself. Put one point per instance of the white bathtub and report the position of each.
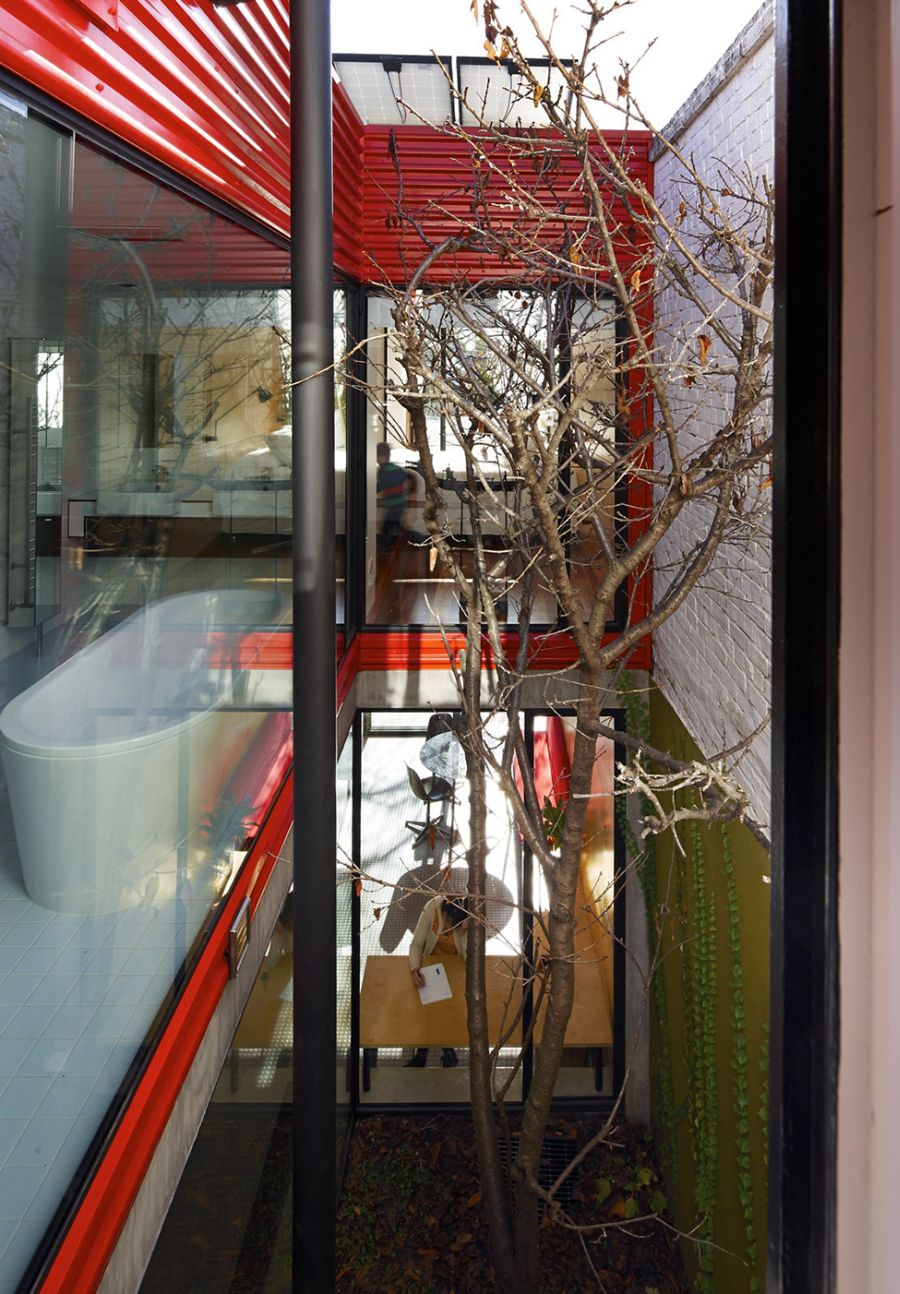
(116, 760)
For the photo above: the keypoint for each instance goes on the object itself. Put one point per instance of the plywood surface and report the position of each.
(391, 1014)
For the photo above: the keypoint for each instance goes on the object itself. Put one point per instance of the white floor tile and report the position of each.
(47, 1056)
(40, 1143)
(11, 1130)
(17, 989)
(30, 1021)
(65, 1099)
(23, 1094)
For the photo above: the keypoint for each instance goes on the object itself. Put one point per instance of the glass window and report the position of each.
(586, 1068)
(345, 881)
(341, 346)
(514, 349)
(414, 835)
(144, 597)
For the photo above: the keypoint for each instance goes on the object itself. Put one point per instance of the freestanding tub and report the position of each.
(116, 761)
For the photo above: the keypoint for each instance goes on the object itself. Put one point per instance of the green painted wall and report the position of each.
(709, 915)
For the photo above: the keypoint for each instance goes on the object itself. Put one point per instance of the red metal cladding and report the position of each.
(347, 671)
(418, 181)
(204, 90)
(402, 649)
(348, 151)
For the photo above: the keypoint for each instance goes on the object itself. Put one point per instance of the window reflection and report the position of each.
(144, 600)
(341, 347)
(500, 351)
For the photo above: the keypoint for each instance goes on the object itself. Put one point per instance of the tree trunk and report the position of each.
(493, 1185)
(561, 929)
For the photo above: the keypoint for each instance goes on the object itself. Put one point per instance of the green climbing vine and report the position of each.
(764, 1096)
(686, 919)
(700, 983)
(740, 1062)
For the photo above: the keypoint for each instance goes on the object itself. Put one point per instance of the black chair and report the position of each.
(430, 790)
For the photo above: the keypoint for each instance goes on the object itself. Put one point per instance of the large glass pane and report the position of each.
(341, 347)
(511, 349)
(344, 965)
(237, 1180)
(144, 621)
(587, 1056)
(594, 481)
(414, 833)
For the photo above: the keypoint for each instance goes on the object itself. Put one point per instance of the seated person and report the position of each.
(441, 929)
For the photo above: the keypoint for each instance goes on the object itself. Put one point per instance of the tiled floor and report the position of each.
(77, 997)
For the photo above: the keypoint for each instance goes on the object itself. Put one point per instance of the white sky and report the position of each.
(690, 36)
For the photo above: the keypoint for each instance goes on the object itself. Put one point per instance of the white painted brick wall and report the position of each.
(711, 659)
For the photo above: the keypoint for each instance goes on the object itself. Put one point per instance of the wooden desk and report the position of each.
(391, 1015)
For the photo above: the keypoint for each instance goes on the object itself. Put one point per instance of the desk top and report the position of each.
(391, 1014)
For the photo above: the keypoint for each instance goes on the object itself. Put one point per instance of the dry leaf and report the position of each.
(682, 212)
(474, 1198)
(491, 52)
(461, 1243)
(622, 83)
(504, 48)
(538, 94)
(574, 255)
(704, 341)
(474, 7)
(636, 282)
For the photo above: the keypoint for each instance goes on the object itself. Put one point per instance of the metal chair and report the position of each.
(430, 790)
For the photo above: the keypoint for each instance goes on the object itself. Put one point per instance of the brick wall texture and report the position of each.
(712, 658)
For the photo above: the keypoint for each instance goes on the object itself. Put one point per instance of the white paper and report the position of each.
(437, 986)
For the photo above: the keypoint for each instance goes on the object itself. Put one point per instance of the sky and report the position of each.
(690, 35)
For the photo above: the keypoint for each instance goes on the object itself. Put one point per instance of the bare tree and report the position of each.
(579, 460)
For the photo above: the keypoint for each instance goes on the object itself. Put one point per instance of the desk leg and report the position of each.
(370, 1061)
(598, 1069)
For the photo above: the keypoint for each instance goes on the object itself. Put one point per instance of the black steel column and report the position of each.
(314, 650)
(805, 1030)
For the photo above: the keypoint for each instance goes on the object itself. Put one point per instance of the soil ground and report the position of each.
(412, 1222)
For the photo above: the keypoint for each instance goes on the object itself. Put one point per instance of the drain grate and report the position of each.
(556, 1154)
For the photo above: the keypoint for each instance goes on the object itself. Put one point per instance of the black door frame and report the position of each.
(806, 573)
